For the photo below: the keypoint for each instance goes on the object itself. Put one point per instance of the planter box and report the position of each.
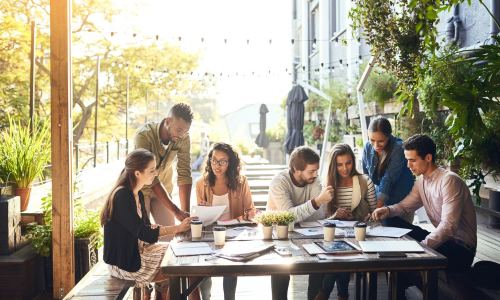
(274, 153)
(10, 227)
(86, 256)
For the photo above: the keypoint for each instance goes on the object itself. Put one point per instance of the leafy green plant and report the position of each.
(266, 218)
(86, 223)
(277, 133)
(284, 218)
(24, 154)
(380, 88)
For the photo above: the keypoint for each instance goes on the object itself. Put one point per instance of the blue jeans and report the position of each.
(342, 280)
(198, 162)
(229, 286)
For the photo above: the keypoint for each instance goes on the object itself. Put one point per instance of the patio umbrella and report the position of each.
(294, 119)
(262, 140)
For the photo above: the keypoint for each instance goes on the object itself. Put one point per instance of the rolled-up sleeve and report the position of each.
(184, 163)
(395, 166)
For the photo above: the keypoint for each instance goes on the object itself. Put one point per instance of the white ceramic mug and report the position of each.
(219, 235)
(329, 232)
(196, 227)
(360, 231)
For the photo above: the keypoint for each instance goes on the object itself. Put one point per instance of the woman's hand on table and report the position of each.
(185, 225)
(367, 218)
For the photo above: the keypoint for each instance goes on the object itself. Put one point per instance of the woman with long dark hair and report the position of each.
(223, 184)
(131, 248)
(384, 161)
(354, 198)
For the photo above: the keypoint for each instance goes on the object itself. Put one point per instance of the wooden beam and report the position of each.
(62, 135)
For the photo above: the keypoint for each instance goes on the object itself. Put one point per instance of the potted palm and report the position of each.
(24, 155)
(266, 219)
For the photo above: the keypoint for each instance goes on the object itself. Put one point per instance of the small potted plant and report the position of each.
(284, 219)
(24, 155)
(266, 219)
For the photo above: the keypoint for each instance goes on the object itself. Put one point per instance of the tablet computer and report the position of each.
(338, 247)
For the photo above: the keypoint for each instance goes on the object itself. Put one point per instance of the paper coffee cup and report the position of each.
(360, 231)
(219, 235)
(196, 227)
(329, 231)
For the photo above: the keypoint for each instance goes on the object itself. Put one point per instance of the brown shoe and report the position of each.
(321, 297)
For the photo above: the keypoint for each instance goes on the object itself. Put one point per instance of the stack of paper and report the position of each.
(242, 251)
(321, 222)
(207, 214)
(241, 232)
(387, 231)
(232, 222)
(189, 249)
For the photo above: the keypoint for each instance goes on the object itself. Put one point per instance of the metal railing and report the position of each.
(89, 157)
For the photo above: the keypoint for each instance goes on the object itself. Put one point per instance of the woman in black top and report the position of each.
(130, 240)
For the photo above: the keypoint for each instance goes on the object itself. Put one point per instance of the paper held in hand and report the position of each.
(207, 214)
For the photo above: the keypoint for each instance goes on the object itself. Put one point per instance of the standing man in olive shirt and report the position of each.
(168, 139)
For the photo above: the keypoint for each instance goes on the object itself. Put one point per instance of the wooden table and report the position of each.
(270, 263)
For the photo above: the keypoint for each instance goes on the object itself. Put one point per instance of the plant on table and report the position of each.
(284, 218)
(266, 218)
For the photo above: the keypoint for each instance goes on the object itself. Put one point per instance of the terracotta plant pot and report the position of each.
(268, 232)
(24, 194)
(283, 232)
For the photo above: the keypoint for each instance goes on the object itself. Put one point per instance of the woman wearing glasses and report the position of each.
(223, 184)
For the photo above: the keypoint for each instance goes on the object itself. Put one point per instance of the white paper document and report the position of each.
(241, 232)
(310, 224)
(390, 246)
(207, 214)
(243, 249)
(310, 231)
(188, 249)
(387, 231)
(340, 256)
(232, 222)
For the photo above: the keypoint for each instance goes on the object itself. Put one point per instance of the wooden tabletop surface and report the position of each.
(269, 262)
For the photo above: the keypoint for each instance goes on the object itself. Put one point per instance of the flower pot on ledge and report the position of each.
(24, 194)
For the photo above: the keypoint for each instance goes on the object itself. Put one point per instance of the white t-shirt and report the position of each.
(222, 200)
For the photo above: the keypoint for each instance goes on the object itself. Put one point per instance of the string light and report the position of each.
(314, 43)
(120, 65)
(336, 42)
(113, 64)
(359, 42)
(126, 67)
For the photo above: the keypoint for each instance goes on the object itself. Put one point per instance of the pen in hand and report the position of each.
(350, 215)
(378, 217)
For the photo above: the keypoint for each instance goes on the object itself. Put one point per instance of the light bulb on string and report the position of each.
(314, 44)
(151, 72)
(360, 60)
(177, 76)
(120, 65)
(336, 42)
(359, 42)
(248, 42)
(137, 68)
(113, 64)
(126, 67)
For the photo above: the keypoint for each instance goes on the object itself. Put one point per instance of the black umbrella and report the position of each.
(262, 140)
(294, 119)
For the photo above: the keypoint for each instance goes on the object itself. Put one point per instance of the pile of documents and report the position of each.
(321, 222)
(232, 222)
(207, 214)
(189, 249)
(243, 251)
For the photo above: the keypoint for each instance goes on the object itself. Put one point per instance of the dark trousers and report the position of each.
(279, 286)
(459, 258)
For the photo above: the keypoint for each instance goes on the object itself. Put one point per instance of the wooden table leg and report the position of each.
(393, 285)
(358, 285)
(364, 286)
(175, 288)
(372, 285)
(430, 284)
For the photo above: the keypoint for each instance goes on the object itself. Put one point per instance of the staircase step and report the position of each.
(259, 184)
(260, 200)
(258, 173)
(260, 192)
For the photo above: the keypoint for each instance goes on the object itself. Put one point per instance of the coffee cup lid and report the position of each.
(219, 228)
(360, 224)
(196, 221)
(327, 224)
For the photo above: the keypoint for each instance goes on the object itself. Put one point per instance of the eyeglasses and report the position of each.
(221, 163)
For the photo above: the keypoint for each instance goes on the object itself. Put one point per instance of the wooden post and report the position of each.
(32, 77)
(62, 135)
(96, 110)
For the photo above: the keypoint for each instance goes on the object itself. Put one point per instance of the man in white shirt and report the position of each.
(298, 189)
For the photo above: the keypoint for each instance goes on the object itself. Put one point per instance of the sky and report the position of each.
(236, 21)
